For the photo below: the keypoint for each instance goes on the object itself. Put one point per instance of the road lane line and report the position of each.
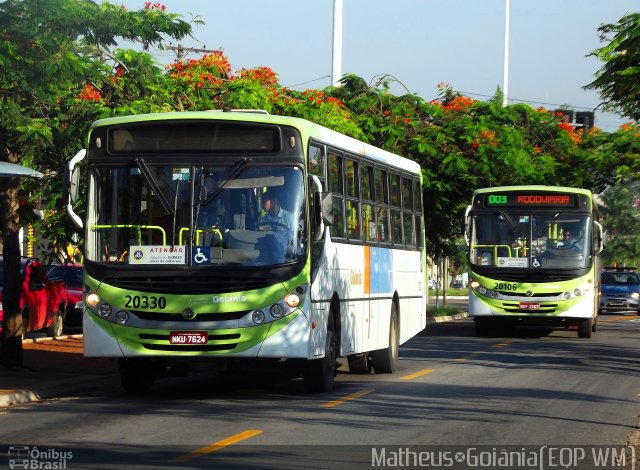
(216, 446)
(504, 344)
(468, 356)
(340, 401)
(616, 319)
(417, 374)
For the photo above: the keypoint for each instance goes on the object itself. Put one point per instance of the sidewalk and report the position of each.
(53, 368)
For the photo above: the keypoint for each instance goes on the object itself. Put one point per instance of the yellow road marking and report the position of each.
(340, 401)
(468, 356)
(216, 446)
(504, 344)
(417, 374)
(615, 319)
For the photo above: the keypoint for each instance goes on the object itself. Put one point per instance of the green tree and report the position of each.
(621, 222)
(618, 81)
(50, 53)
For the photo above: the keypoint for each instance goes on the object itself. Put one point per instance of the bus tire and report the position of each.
(584, 328)
(319, 374)
(360, 363)
(136, 375)
(55, 329)
(385, 360)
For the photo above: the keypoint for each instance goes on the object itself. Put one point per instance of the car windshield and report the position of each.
(531, 241)
(71, 275)
(242, 215)
(620, 278)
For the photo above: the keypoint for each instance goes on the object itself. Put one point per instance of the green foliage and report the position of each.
(618, 81)
(56, 83)
(621, 222)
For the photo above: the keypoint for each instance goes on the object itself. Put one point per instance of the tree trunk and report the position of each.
(11, 350)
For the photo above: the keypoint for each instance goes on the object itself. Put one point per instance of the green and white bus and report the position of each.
(533, 257)
(217, 238)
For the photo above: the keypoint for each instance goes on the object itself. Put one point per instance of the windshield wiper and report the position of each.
(509, 223)
(553, 219)
(154, 186)
(236, 169)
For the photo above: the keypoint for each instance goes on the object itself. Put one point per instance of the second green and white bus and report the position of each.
(183, 265)
(533, 257)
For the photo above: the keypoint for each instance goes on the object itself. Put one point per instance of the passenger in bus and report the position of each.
(275, 217)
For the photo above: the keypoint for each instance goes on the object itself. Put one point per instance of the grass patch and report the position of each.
(450, 292)
(442, 311)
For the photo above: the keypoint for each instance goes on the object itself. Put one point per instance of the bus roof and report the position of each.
(534, 187)
(307, 130)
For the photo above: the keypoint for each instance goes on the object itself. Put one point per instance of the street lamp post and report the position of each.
(336, 72)
(505, 79)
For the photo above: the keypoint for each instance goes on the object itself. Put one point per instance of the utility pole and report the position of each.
(336, 71)
(505, 79)
(182, 51)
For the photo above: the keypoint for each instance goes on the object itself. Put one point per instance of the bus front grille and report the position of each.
(190, 347)
(177, 317)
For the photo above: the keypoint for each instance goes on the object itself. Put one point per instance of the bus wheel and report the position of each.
(319, 374)
(55, 329)
(584, 328)
(385, 360)
(136, 375)
(360, 363)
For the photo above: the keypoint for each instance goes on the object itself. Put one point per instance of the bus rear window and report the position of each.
(196, 137)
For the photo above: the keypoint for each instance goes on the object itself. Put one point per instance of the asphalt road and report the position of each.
(530, 387)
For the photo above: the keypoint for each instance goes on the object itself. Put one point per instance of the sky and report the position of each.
(419, 42)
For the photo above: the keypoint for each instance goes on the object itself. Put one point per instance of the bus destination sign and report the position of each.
(530, 200)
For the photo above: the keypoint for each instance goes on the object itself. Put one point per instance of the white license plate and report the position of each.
(188, 337)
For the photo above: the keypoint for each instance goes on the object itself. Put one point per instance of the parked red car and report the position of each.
(43, 302)
(72, 275)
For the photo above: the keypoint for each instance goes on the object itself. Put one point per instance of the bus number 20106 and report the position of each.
(505, 286)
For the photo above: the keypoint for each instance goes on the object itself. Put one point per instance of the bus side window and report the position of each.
(353, 204)
(316, 161)
(334, 178)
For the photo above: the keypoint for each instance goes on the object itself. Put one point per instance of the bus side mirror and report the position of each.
(72, 186)
(467, 225)
(322, 215)
(598, 238)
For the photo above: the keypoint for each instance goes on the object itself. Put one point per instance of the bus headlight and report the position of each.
(292, 300)
(122, 317)
(567, 295)
(276, 311)
(578, 292)
(105, 310)
(257, 317)
(635, 295)
(92, 299)
(474, 284)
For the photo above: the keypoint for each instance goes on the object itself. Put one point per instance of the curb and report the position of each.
(443, 319)
(44, 339)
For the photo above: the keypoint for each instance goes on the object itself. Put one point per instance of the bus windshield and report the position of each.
(198, 215)
(519, 239)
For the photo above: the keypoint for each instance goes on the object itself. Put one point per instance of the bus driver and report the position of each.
(275, 216)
